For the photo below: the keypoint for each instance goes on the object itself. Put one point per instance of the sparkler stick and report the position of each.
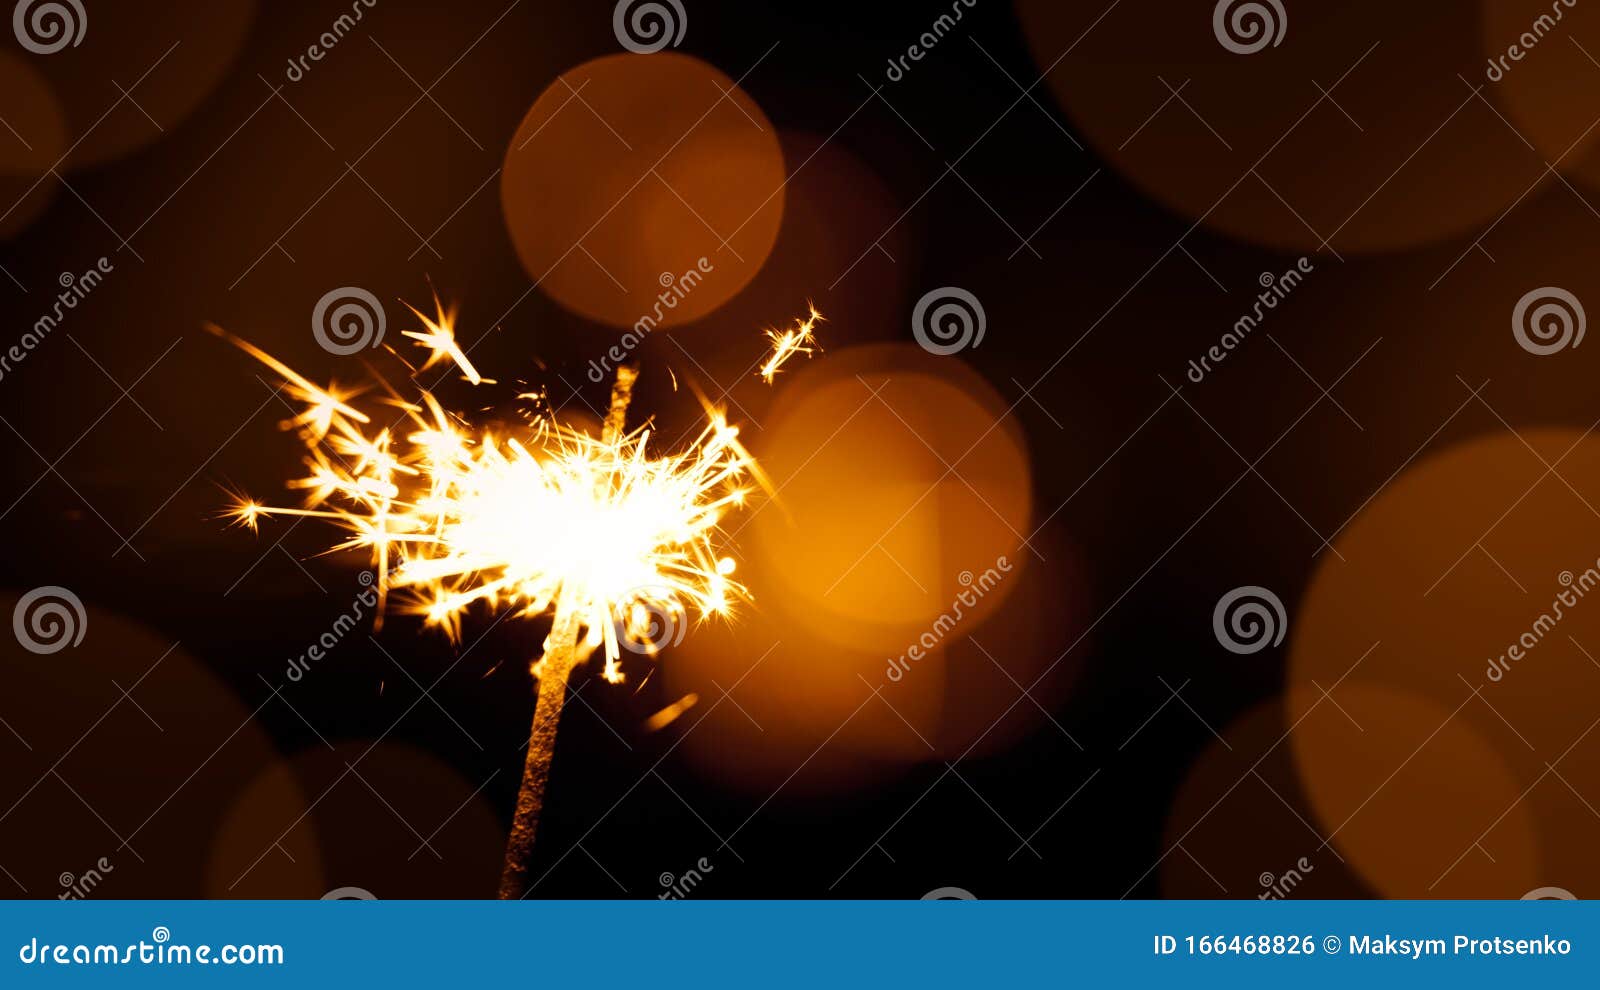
(561, 656)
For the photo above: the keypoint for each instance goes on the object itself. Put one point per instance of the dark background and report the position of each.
(240, 210)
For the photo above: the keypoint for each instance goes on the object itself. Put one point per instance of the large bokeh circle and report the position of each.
(643, 186)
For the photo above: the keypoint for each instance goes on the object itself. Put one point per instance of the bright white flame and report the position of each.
(603, 529)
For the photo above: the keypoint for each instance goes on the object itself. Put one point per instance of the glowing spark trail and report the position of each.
(666, 716)
(618, 543)
(441, 340)
(788, 343)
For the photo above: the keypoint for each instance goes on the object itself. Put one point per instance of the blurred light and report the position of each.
(643, 190)
(899, 483)
(1314, 175)
(31, 141)
(1448, 568)
(367, 797)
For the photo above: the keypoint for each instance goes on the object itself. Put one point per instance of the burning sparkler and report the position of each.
(617, 543)
(788, 343)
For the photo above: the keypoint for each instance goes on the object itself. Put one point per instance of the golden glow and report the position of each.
(608, 533)
(788, 343)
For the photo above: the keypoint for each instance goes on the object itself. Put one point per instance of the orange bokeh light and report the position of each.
(631, 171)
(1436, 774)
(1246, 143)
(33, 138)
(901, 483)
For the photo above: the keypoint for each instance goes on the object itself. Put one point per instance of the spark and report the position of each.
(788, 343)
(323, 405)
(440, 340)
(247, 514)
(646, 680)
(666, 716)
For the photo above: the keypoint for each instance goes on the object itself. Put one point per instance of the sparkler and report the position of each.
(788, 343)
(616, 542)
